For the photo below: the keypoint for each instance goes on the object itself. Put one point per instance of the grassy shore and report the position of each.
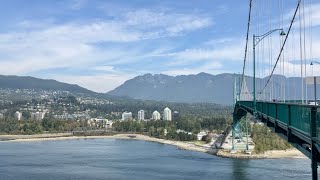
(194, 146)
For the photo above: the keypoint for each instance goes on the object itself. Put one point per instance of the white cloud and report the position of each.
(73, 44)
(311, 15)
(233, 49)
(188, 24)
(215, 42)
(104, 68)
(41, 45)
(78, 4)
(220, 53)
(171, 22)
(294, 69)
(98, 83)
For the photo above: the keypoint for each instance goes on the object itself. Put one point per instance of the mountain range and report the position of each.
(209, 88)
(27, 82)
(197, 88)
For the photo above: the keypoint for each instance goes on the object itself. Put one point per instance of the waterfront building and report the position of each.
(109, 124)
(167, 114)
(126, 116)
(156, 115)
(37, 115)
(200, 135)
(183, 131)
(18, 115)
(99, 122)
(141, 115)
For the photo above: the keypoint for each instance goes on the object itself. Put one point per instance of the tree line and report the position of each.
(183, 129)
(13, 126)
(266, 140)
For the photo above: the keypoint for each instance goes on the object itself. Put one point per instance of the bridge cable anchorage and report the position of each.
(282, 47)
(246, 47)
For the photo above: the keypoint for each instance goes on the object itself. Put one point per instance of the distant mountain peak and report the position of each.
(184, 88)
(202, 87)
(204, 74)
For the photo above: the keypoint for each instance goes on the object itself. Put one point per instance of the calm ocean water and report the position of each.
(132, 159)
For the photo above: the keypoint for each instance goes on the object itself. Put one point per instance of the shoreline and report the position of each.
(274, 154)
(271, 154)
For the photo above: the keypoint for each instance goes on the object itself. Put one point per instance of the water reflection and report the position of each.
(239, 169)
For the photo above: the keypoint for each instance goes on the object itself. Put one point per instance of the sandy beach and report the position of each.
(291, 153)
(274, 154)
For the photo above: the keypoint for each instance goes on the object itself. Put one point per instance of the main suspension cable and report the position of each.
(246, 48)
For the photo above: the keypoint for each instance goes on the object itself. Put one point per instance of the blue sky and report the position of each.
(99, 44)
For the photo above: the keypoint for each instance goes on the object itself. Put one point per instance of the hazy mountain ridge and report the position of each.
(27, 82)
(183, 88)
(205, 87)
(200, 88)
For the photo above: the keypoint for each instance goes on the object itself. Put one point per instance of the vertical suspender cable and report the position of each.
(281, 60)
(301, 57)
(270, 55)
(304, 52)
(284, 43)
(310, 29)
(283, 57)
(294, 66)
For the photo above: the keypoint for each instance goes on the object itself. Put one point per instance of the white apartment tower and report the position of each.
(127, 116)
(18, 115)
(167, 114)
(141, 115)
(156, 115)
(38, 115)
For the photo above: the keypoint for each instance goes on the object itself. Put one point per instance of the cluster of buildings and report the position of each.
(100, 122)
(58, 103)
(37, 115)
(166, 115)
(78, 115)
(33, 115)
(9, 94)
(60, 107)
(92, 100)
